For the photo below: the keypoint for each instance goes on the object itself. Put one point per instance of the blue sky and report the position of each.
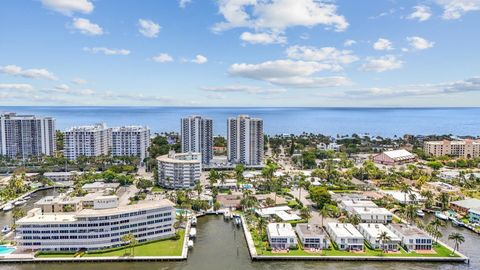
(240, 52)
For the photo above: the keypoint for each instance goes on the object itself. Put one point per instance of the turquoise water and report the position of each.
(328, 121)
(6, 250)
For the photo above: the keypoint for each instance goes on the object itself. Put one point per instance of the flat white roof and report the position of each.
(358, 203)
(371, 211)
(399, 154)
(272, 210)
(281, 230)
(344, 230)
(286, 216)
(374, 230)
(400, 196)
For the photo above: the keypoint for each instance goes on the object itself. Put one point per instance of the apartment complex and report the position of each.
(179, 170)
(130, 141)
(197, 136)
(245, 140)
(23, 136)
(412, 238)
(312, 236)
(88, 141)
(462, 148)
(99, 227)
(281, 235)
(372, 214)
(371, 232)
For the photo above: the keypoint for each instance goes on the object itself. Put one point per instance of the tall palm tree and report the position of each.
(383, 237)
(429, 198)
(444, 200)
(305, 213)
(325, 212)
(410, 212)
(198, 188)
(405, 189)
(435, 228)
(458, 239)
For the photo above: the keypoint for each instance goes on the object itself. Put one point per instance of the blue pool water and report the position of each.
(6, 250)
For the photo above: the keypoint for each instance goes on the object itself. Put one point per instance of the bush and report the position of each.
(293, 247)
(269, 248)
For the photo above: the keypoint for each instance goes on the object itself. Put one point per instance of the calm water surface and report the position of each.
(220, 246)
(328, 121)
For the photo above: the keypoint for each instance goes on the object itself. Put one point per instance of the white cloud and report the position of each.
(68, 7)
(107, 51)
(420, 13)
(183, 3)
(381, 64)
(383, 44)
(16, 86)
(455, 9)
(79, 81)
(277, 15)
(462, 86)
(162, 58)
(86, 27)
(199, 59)
(249, 89)
(419, 43)
(39, 73)
(329, 55)
(62, 88)
(349, 42)
(148, 28)
(263, 38)
(289, 73)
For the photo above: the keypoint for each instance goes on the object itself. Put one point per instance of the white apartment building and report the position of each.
(462, 148)
(372, 214)
(197, 136)
(130, 141)
(371, 232)
(412, 237)
(23, 136)
(245, 140)
(348, 205)
(312, 236)
(179, 170)
(345, 235)
(100, 227)
(281, 235)
(88, 141)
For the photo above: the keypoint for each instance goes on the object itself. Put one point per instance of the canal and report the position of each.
(221, 246)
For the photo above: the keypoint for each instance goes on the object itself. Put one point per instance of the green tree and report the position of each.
(305, 213)
(383, 238)
(458, 239)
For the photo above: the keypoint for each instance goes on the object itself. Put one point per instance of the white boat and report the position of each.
(190, 243)
(20, 202)
(194, 221)
(441, 215)
(420, 213)
(192, 233)
(8, 207)
(27, 198)
(6, 229)
(238, 221)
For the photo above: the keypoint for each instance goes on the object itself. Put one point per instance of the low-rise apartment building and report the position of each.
(348, 205)
(100, 227)
(312, 236)
(372, 233)
(281, 236)
(412, 237)
(345, 236)
(373, 214)
(461, 148)
(179, 170)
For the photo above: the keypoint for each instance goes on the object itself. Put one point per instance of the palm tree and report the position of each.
(405, 189)
(354, 219)
(444, 200)
(17, 214)
(324, 212)
(198, 188)
(458, 239)
(131, 240)
(305, 213)
(383, 237)
(262, 222)
(435, 228)
(410, 212)
(428, 194)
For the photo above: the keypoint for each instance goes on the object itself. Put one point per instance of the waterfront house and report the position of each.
(312, 236)
(373, 214)
(348, 204)
(345, 236)
(403, 198)
(412, 237)
(371, 232)
(474, 215)
(282, 212)
(281, 236)
(463, 206)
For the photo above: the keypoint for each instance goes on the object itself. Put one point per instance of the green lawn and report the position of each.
(167, 247)
(157, 189)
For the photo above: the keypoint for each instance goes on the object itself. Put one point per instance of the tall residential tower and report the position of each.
(89, 141)
(130, 141)
(245, 140)
(22, 136)
(197, 136)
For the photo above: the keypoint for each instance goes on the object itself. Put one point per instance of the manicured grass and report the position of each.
(157, 189)
(167, 247)
(158, 248)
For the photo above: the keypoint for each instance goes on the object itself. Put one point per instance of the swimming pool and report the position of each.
(6, 250)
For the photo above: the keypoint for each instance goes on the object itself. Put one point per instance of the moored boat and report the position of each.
(238, 221)
(192, 233)
(420, 213)
(457, 222)
(441, 215)
(20, 202)
(8, 207)
(194, 221)
(6, 229)
(190, 243)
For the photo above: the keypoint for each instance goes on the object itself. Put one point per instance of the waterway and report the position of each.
(222, 246)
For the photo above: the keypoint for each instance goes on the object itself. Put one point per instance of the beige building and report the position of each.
(462, 148)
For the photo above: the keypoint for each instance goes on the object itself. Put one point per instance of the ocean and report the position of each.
(387, 122)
